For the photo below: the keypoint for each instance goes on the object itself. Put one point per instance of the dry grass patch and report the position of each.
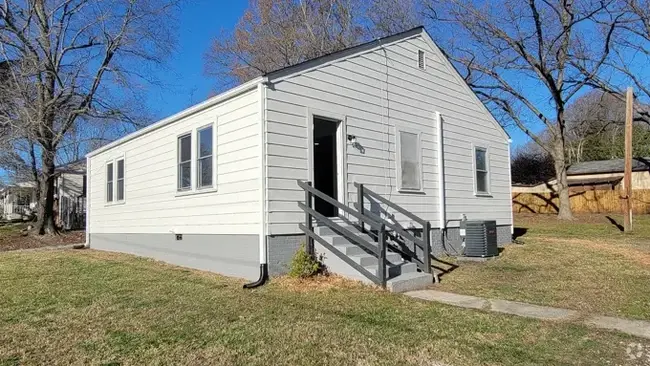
(593, 269)
(89, 307)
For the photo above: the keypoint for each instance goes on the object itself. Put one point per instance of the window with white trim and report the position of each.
(409, 161)
(185, 162)
(481, 171)
(120, 180)
(109, 182)
(204, 157)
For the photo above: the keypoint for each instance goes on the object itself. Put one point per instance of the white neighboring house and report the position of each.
(216, 186)
(18, 201)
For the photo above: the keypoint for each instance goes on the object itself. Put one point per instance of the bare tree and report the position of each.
(528, 59)
(630, 58)
(71, 60)
(273, 34)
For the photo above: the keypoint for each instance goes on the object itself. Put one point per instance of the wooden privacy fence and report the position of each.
(596, 201)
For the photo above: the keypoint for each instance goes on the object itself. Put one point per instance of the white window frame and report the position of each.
(212, 157)
(114, 161)
(179, 162)
(478, 193)
(398, 160)
(424, 59)
(117, 179)
(194, 146)
(112, 181)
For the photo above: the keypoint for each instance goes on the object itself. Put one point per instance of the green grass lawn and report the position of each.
(587, 265)
(90, 307)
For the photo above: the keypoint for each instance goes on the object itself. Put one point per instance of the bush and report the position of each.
(304, 265)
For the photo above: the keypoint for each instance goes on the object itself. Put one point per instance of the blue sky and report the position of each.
(185, 82)
(184, 78)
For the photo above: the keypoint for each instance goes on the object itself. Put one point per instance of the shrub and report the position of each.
(304, 265)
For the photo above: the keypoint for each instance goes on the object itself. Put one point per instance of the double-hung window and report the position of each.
(115, 188)
(481, 171)
(120, 180)
(109, 182)
(409, 166)
(204, 157)
(185, 162)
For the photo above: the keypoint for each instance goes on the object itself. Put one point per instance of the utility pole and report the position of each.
(627, 180)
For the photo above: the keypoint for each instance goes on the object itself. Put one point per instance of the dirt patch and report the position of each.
(12, 237)
(317, 283)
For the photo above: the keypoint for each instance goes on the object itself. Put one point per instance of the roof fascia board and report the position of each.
(231, 93)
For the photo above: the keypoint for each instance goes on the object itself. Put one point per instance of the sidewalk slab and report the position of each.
(637, 328)
(471, 302)
(532, 311)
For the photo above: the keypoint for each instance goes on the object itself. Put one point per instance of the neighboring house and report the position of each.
(19, 200)
(595, 175)
(217, 187)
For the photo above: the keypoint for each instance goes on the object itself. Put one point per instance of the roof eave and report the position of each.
(231, 93)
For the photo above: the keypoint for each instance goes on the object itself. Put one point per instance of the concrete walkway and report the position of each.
(637, 328)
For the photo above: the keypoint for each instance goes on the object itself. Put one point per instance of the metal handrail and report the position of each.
(424, 243)
(378, 251)
(361, 188)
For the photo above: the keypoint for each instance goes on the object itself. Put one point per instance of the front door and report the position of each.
(326, 164)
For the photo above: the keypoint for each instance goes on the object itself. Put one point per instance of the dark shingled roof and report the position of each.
(608, 166)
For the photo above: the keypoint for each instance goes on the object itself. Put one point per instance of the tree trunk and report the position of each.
(45, 222)
(559, 159)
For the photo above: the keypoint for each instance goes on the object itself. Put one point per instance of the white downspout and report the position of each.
(263, 249)
(442, 207)
(264, 270)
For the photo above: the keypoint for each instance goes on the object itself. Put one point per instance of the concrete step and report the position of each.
(370, 260)
(409, 282)
(350, 249)
(335, 239)
(327, 231)
(394, 270)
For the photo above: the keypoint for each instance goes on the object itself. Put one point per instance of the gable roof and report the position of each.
(350, 52)
(608, 166)
(302, 67)
(344, 53)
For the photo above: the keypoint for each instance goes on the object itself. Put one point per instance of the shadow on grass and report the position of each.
(615, 223)
(519, 232)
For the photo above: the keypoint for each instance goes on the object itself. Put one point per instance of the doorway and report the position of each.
(325, 163)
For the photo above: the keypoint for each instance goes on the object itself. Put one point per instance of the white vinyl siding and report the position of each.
(109, 182)
(377, 91)
(154, 203)
(409, 167)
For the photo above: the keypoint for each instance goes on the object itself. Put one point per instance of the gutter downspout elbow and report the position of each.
(264, 268)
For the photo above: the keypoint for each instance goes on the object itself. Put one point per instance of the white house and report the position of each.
(216, 186)
(18, 201)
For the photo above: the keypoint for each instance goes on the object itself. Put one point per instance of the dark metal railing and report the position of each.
(423, 261)
(378, 250)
